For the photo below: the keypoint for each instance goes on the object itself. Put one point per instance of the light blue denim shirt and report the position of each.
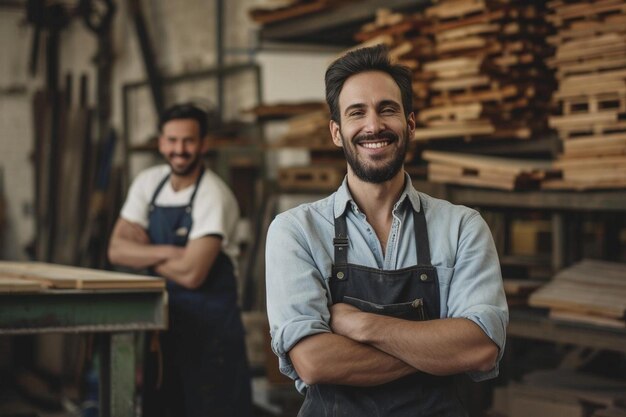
(300, 254)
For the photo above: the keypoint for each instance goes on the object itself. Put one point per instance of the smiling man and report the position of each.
(378, 294)
(179, 221)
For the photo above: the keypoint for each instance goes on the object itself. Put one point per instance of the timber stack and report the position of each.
(487, 78)
(590, 64)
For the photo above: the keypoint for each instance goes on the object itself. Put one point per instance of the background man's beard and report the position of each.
(376, 175)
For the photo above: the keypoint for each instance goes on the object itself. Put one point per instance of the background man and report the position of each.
(179, 220)
(379, 293)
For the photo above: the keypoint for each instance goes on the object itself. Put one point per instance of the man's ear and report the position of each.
(411, 124)
(335, 132)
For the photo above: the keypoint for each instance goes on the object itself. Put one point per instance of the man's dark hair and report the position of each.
(375, 58)
(186, 111)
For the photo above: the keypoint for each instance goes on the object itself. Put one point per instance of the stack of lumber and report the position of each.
(408, 46)
(590, 65)
(560, 392)
(39, 276)
(485, 171)
(309, 131)
(487, 78)
(518, 290)
(589, 292)
(271, 11)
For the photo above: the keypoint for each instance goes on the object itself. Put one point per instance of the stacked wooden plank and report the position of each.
(37, 276)
(271, 11)
(309, 131)
(517, 291)
(560, 392)
(487, 78)
(590, 64)
(401, 32)
(485, 171)
(591, 292)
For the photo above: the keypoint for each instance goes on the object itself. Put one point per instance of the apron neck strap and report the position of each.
(340, 242)
(421, 236)
(195, 190)
(158, 189)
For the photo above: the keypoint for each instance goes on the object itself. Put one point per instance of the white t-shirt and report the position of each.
(214, 212)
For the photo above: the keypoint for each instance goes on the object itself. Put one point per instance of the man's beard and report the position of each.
(194, 161)
(376, 174)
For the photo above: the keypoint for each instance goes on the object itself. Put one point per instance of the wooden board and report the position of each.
(582, 186)
(572, 316)
(264, 16)
(69, 277)
(595, 288)
(521, 286)
(456, 9)
(17, 285)
(462, 130)
(460, 175)
(502, 165)
(311, 178)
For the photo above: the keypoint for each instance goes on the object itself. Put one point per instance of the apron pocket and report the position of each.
(412, 310)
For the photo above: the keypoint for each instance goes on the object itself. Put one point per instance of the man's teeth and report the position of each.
(374, 145)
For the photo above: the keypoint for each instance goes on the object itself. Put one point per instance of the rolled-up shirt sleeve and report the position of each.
(476, 290)
(297, 300)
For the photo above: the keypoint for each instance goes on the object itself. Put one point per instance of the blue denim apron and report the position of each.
(410, 293)
(205, 370)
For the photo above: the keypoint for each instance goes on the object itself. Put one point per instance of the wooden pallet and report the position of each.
(591, 128)
(485, 171)
(595, 146)
(592, 66)
(586, 11)
(587, 30)
(318, 178)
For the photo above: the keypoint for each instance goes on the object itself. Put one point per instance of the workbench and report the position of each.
(113, 313)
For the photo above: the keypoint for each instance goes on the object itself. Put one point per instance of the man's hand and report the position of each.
(344, 320)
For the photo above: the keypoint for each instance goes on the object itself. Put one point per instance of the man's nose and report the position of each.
(373, 123)
(179, 147)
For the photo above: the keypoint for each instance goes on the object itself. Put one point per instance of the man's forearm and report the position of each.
(139, 255)
(438, 347)
(328, 358)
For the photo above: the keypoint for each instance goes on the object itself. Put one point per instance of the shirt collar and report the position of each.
(343, 196)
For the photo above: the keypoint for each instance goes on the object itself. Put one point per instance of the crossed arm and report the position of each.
(187, 266)
(368, 349)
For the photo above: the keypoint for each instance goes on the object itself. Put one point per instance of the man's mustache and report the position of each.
(385, 134)
(181, 155)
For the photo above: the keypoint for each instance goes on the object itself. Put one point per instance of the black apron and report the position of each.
(409, 293)
(204, 366)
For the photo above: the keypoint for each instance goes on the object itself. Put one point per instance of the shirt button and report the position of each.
(424, 277)
(340, 275)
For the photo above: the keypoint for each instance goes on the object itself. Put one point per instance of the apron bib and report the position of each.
(205, 371)
(409, 293)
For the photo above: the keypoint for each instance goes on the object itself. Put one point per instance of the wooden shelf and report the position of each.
(534, 324)
(602, 201)
(335, 26)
